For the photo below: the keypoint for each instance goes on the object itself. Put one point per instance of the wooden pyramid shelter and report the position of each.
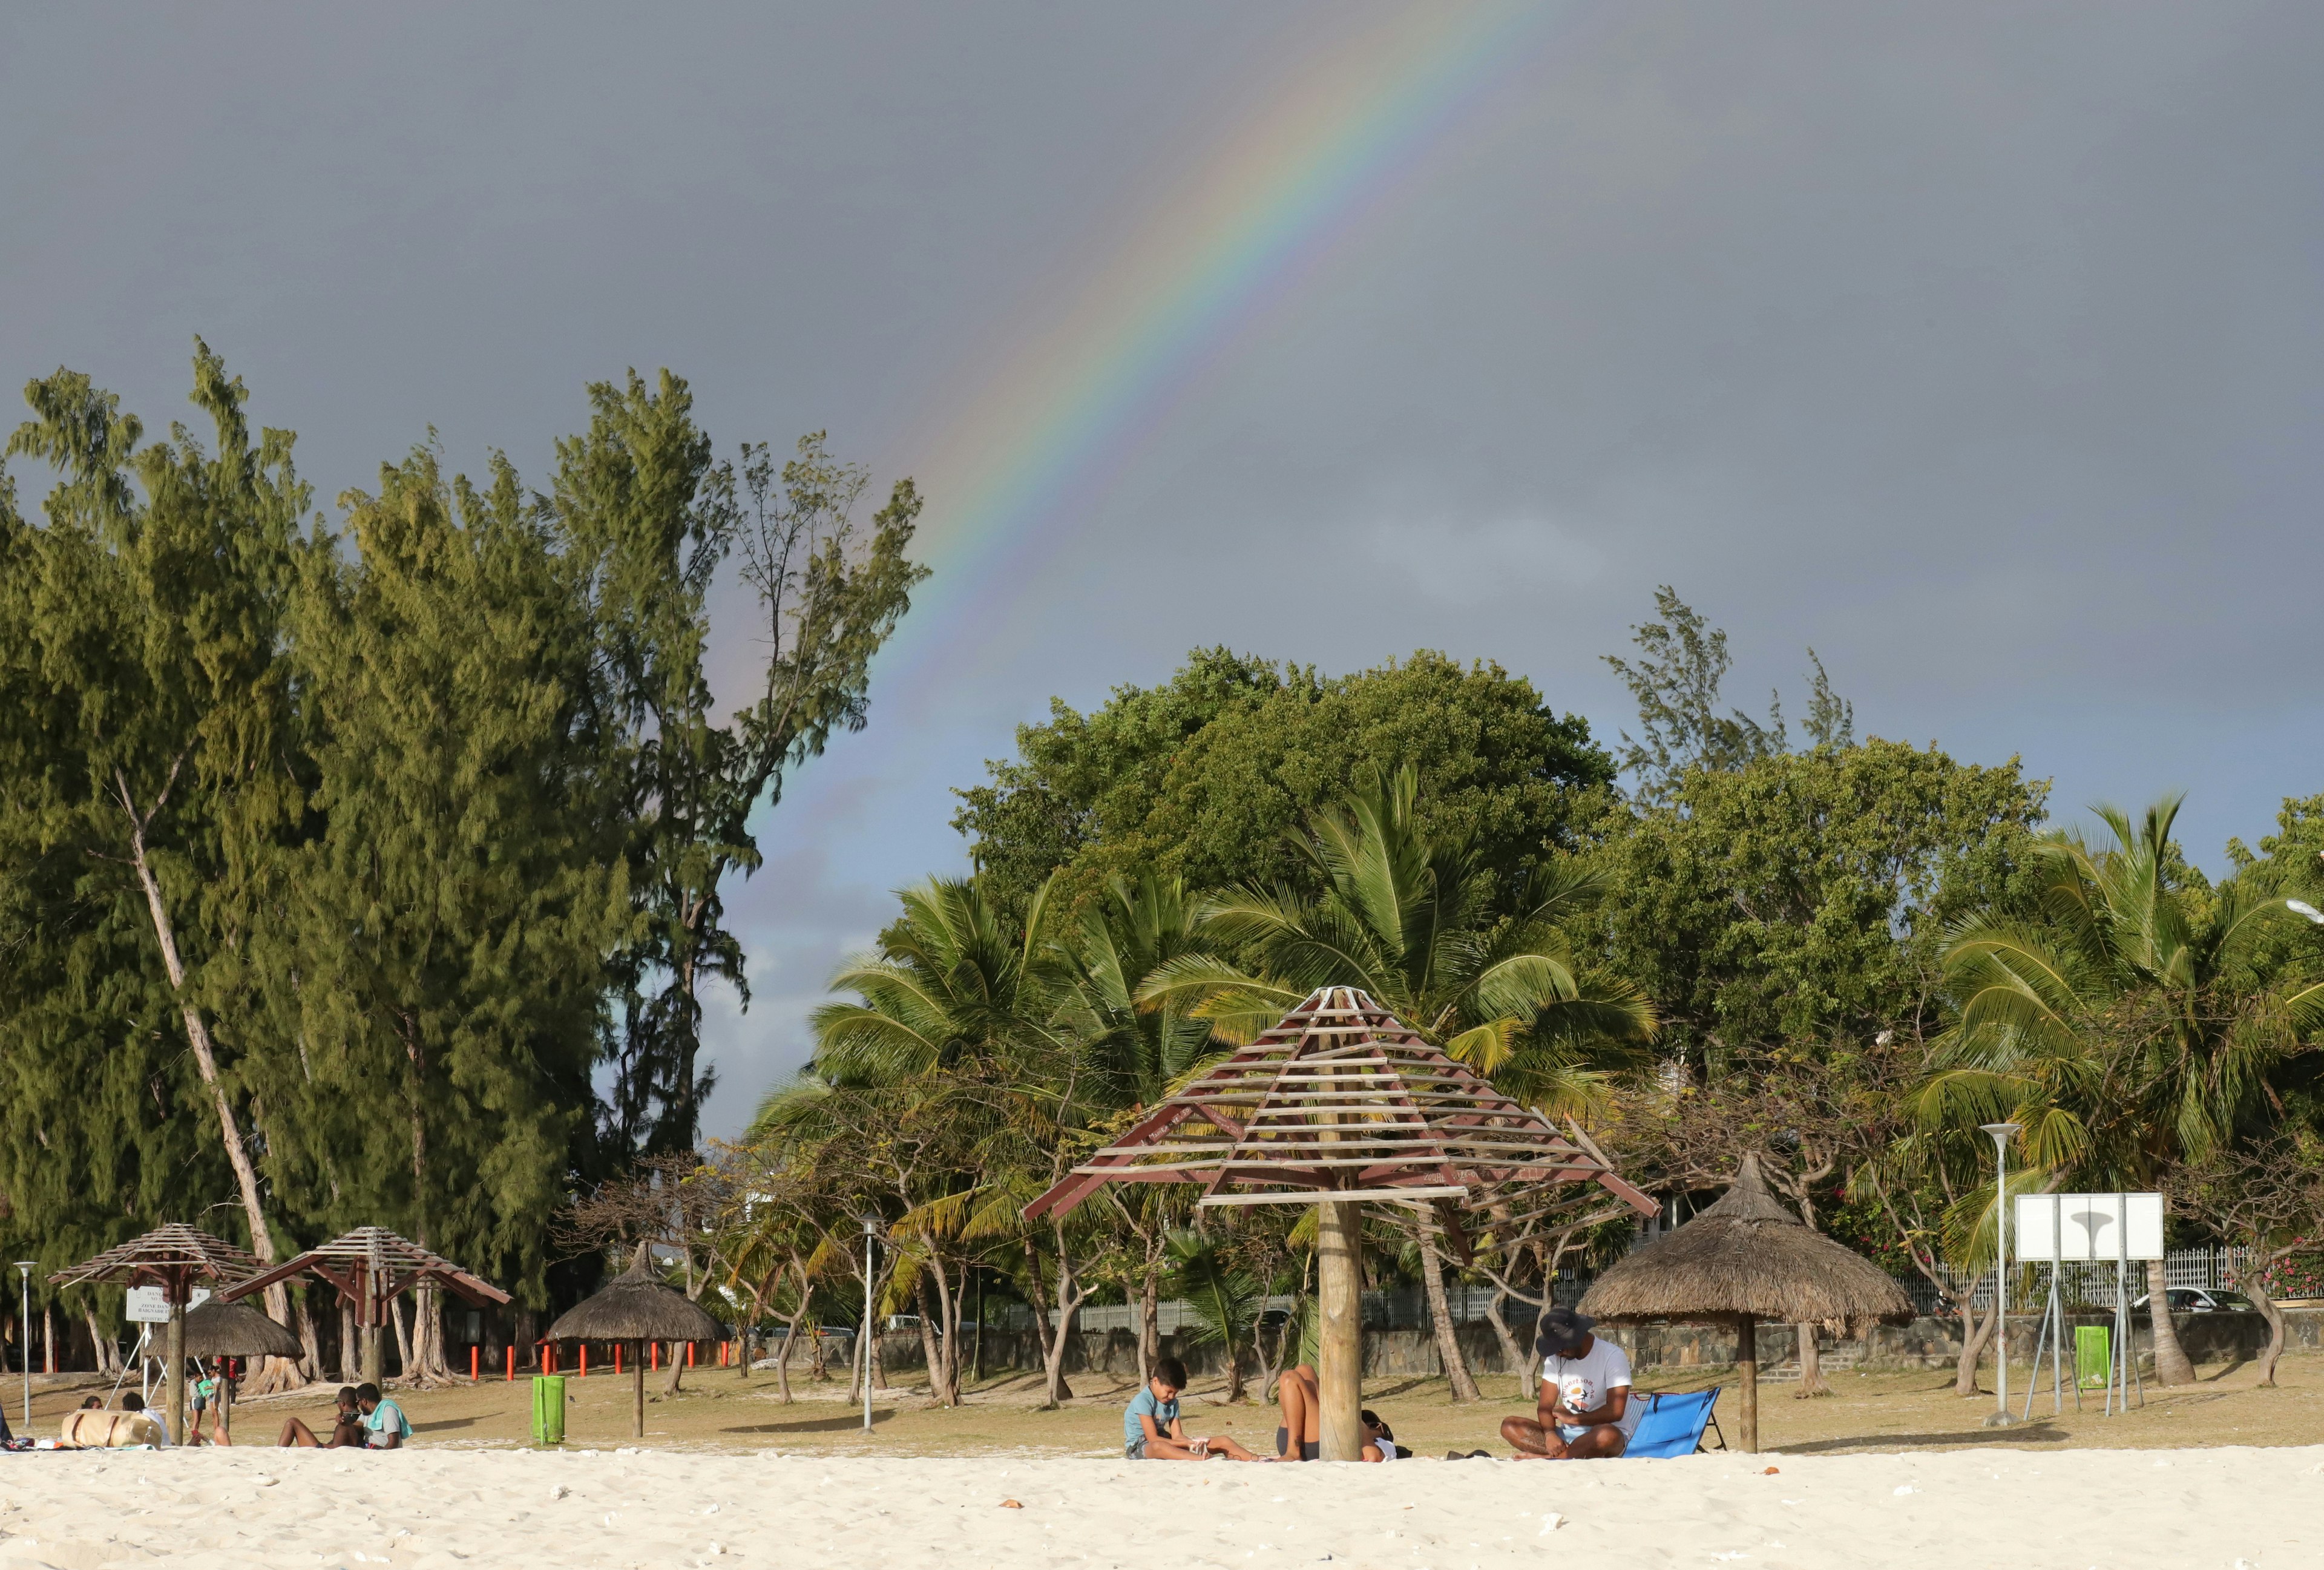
(176, 1258)
(1340, 1102)
(369, 1267)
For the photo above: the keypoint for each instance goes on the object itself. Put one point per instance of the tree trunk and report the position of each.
(47, 1338)
(1520, 1362)
(934, 1353)
(311, 1366)
(350, 1348)
(197, 1034)
(1440, 1320)
(1052, 1342)
(1149, 1322)
(783, 1358)
(677, 1368)
(402, 1336)
(2246, 1278)
(2171, 1365)
(106, 1353)
(1747, 1370)
(1974, 1335)
(1811, 1363)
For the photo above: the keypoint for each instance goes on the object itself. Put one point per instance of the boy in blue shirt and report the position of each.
(1151, 1429)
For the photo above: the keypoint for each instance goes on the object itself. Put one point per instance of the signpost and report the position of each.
(2062, 1228)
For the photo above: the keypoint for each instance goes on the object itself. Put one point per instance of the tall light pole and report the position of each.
(25, 1332)
(870, 1345)
(2001, 1133)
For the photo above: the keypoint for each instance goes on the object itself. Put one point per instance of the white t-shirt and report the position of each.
(1584, 1383)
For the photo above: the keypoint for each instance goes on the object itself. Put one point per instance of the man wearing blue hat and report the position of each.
(1584, 1411)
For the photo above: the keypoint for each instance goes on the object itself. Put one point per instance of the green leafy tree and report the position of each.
(652, 518)
(451, 919)
(148, 710)
(2120, 1022)
(1203, 778)
(1800, 900)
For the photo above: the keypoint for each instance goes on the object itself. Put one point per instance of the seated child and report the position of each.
(131, 1401)
(1380, 1440)
(1151, 1429)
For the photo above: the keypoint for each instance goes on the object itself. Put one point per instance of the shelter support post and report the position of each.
(1340, 1360)
(1747, 1370)
(375, 1355)
(174, 1378)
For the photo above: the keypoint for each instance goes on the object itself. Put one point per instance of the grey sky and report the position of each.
(1977, 346)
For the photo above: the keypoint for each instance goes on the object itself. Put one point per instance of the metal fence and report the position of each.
(2089, 1283)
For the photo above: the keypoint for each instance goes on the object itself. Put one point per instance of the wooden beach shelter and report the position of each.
(222, 1330)
(636, 1308)
(368, 1267)
(1744, 1260)
(1339, 1104)
(177, 1258)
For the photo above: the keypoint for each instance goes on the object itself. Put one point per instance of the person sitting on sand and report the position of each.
(347, 1429)
(1380, 1440)
(385, 1427)
(1584, 1410)
(92, 1403)
(131, 1401)
(1299, 1435)
(1151, 1429)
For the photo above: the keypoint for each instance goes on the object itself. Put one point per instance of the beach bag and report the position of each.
(87, 1430)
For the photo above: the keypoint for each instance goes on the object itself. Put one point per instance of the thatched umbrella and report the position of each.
(174, 1258)
(222, 1330)
(1744, 1260)
(636, 1308)
(1338, 1102)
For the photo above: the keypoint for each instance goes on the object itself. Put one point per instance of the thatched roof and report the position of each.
(236, 1330)
(635, 1307)
(1746, 1254)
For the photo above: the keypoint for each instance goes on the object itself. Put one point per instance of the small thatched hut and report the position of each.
(222, 1330)
(635, 1308)
(1744, 1260)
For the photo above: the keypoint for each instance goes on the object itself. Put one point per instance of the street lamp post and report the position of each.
(870, 1345)
(2001, 1133)
(24, 1332)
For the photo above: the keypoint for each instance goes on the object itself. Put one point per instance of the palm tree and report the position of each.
(1411, 920)
(2125, 1028)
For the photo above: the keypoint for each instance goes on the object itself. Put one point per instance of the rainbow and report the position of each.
(1036, 441)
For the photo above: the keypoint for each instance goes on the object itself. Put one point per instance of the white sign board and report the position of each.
(2089, 1226)
(147, 1305)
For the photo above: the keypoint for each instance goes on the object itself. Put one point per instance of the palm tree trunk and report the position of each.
(1974, 1335)
(1440, 1318)
(2171, 1365)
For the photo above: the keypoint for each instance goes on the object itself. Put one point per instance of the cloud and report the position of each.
(1463, 563)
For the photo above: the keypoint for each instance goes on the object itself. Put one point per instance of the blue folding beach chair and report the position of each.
(1673, 1424)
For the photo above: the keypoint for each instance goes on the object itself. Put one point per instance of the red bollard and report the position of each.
(585, 1360)
(617, 1359)
(472, 1355)
(689, 1355)
(656, 1355)
(511, 1351)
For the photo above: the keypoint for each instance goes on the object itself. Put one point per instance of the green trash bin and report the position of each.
(2093, 1357)
(549, 1409)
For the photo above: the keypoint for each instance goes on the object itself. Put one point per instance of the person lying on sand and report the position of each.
(1301, 1415)
(1379, 1441)
(1151, 1429)
(346, 1430)
(1584, 1409)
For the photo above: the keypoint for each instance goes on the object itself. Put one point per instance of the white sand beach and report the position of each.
(434, 1509)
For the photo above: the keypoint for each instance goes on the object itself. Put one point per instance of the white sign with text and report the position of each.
(2089, 1226)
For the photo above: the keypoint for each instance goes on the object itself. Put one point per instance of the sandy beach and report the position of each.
(423, 1510)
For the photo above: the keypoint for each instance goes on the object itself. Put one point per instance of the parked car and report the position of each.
(2203, 1300)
